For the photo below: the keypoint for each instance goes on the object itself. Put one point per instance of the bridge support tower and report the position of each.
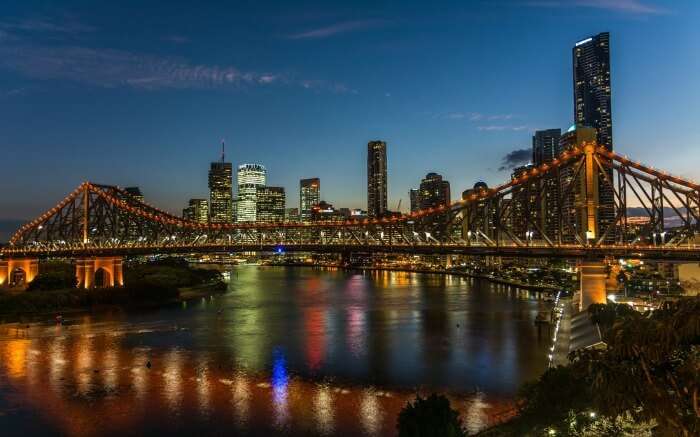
(99, 272)
(18, 271)
(593, 278)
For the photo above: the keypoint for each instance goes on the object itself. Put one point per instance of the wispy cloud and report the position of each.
(111, 68)
(636, 7)
(177, 39)
(515, 158)
(337, 28)
(473, 116)
(502, 127)
(45, 25)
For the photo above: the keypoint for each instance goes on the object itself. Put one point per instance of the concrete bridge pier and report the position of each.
(99, 272)
(18, 272)
(593, 277)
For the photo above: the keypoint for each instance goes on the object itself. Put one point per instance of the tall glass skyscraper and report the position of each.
(545, 148)
(591, 58)
(592, 108)
(220, 194)
(250, 178)
(270, 203)
(309, 196)
(376, 179)
(197, 210)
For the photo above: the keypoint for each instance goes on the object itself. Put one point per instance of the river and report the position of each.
(285, 351)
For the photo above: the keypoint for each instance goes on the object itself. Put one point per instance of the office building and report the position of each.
(197, 211)
(291, 215)
(250, 178)
(434, 191)
(525, 206)
(414, 197)
(545, 148)
(324, 211)
(135, 193)
(309, 196)
(376, 179)
(270, 203)
(220, 191)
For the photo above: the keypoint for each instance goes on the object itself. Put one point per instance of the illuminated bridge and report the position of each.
(573, 207)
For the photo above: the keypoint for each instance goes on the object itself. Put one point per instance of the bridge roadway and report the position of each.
(684, 253)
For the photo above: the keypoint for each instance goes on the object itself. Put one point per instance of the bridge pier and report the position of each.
(99, 272)
(593, 278)
(18, 271)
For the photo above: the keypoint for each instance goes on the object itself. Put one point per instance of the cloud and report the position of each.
(335, 29)
(177, 39)
(636, 7)
(500, 127)
(515, 158)
(110, 68)
(44, 25)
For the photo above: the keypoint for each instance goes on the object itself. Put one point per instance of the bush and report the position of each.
(429, 417)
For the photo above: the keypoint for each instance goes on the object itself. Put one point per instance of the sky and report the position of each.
(142, 93)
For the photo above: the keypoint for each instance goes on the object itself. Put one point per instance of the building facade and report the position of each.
(197, 210)
(545, 148)
(309, 196)
(270, 203)
(414, 198)
(250, 177)
(220, 192)
(434, 191)
(376, 179)
(592, 107)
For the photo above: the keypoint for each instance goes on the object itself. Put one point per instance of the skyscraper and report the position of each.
(270, 203)
(135, 193)
(414, 197)
(309, 196)
(250, 178)
(376, 179)
(592, 108)
(197, 210)
(220, 194)
(591, 58)
(434, 191)
(545, 148)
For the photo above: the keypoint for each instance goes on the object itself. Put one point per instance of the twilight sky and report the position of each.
(130, 94)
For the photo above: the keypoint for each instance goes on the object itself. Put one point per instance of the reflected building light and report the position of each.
(83, 364)
(241, 400)
(323, 406)
(172, 380)
(139, 373)
(57, 363)
(476, 417)
(110, 373)
(203, 387)
(370, 412)
(280, 382)
(15, 357)
(356, 330)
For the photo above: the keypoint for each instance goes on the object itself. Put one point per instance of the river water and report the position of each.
(286, 351)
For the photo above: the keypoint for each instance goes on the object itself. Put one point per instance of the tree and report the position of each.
(651, 367)
(430, 417)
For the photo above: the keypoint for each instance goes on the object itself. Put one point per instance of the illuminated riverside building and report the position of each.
(270, 203)
(309, 196)
(220, 191)
(592, 107)
(197, 210)
(324, 211)
(291, 215)
(525, 203)
(376, 179)
(135, 193)
(250, 178)
(434, 191)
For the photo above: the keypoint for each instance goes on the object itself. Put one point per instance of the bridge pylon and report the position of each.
(18, 271)
(592, 279)
(99, 272)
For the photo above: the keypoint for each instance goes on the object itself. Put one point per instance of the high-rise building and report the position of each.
(291, 215)
(220, 191)
(135, 193)
(250, 178)
(309, 196)
(434, 191)
(545, 148)
(592, 107)
(414, 197)
(324, 211)
(270, 203)
(591, 60)
(376, 179)
(197, 210)
(525, 205)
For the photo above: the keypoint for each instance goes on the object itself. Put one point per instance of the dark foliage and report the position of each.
(429, 417)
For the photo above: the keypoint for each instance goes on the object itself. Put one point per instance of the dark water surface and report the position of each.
(286, 351)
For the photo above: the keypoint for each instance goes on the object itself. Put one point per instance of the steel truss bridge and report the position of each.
(573, 207)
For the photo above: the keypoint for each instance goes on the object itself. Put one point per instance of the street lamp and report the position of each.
(663, 238)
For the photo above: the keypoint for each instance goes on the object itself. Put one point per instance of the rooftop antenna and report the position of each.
(223, 150)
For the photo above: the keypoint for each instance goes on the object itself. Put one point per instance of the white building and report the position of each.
(250, 177)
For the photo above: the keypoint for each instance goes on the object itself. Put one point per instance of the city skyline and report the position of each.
(454, 129)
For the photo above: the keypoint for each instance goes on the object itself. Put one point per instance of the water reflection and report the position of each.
(298, 352)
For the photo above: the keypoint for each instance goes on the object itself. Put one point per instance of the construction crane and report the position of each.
(398, 208)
